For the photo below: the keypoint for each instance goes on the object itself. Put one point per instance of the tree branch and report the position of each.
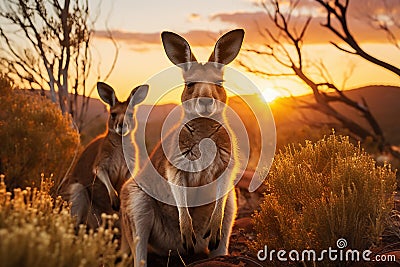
(339, 11)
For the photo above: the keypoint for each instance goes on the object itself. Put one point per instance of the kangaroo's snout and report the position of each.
(122, 128)
(205, 101)
(205, 106)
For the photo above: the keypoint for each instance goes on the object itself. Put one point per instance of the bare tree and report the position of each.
(389, 23)
(337, 23)
(46, 45)
(284, 44)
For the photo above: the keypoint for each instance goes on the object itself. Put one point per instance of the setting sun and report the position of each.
(270, 94)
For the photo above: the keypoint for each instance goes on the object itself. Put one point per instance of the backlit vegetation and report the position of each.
(37, 230)
(321, 192)
(35, 138)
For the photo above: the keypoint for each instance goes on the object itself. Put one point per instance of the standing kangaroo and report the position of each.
(206, 228)
(103, 167)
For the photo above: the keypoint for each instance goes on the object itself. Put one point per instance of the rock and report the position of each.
(244, 182)
(245, 224)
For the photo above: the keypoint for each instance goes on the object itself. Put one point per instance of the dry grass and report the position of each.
(35, 138)
(322, 192)
(37, 230)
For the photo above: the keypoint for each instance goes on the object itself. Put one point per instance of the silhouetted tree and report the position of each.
(46, 45)
(284, 44)
(389, 23)
(337, 23)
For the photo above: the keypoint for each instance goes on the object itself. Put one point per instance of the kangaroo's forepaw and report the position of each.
(214, 241)
(207, 234)
(189, 241)
(215, 237)
(115, 203)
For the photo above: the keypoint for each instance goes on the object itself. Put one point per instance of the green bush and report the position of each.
(37, 230)
(322, 192)
(35, 138)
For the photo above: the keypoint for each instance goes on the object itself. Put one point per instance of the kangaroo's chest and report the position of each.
(195, 140)
(201, 153)
(118, 163)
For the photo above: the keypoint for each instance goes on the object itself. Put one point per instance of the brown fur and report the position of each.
(97, 177)
(203, 229)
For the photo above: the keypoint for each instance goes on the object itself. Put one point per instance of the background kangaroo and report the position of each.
(206, 228)
(101, 170)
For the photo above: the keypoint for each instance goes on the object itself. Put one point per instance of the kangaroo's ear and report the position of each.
(227, 47)
(106, 93)
(177, 49)
(139, 94)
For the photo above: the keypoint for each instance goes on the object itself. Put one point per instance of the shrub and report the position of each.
(35, 138)
(37, 230)
(322, 192)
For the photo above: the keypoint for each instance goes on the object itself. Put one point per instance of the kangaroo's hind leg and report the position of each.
(227, 223)
(137, 221)
(81, 206)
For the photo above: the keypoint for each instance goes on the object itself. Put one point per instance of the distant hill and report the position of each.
(290, 119)
(383, 101)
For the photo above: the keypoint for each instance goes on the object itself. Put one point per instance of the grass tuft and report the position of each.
(37, 230)
(321, 192)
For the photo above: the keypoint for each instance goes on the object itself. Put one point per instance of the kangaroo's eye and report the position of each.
(129, 115)
(113, 115)
(189, 86)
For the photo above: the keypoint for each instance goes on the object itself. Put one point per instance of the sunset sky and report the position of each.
(136, 26)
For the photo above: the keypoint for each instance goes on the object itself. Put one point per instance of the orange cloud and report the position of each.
(195, 37)
(130, 37)
(255, 24)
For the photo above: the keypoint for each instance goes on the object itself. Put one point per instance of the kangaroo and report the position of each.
(103, 167)
(149, 223)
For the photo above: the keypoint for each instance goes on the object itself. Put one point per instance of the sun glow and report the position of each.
(270, 94)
